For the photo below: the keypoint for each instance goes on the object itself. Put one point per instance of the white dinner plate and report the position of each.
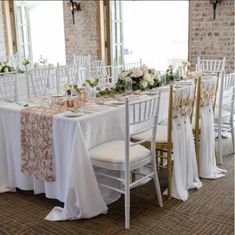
(118, 102)
(73, 114)
(151, 93)
(57, 96)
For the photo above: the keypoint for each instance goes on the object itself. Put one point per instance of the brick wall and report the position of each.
(2, 32)
(212, 38)
(81, 38)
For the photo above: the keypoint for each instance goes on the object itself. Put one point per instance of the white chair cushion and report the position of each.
(114, 153)
(161, 136)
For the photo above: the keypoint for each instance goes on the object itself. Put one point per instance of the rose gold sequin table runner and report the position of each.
(37, 151)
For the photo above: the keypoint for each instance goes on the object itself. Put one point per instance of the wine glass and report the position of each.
(128, 87)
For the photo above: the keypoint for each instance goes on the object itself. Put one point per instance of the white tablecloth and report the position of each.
(75, 183)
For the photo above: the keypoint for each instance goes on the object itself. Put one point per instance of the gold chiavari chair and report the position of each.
(164, 142)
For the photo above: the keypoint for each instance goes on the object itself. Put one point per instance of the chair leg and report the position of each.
(169, 172)
(161, 159)
(232, 132)
(156, 183)
(220, 155)
(127, 208)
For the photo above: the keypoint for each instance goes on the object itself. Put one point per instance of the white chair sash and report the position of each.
(208, 168)
(185, 170)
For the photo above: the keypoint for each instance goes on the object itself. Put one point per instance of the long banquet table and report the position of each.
(76, 184)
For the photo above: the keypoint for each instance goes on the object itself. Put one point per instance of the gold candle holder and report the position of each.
(82, 96)
(70, 103)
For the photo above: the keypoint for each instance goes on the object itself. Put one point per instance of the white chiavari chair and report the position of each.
(76, 74)
(224, 120)
(126, 156)
(12, 60)
(132, 65)
(38, 82)
(210, 67)
(103, 73)
(61, 76)
(82, 61)
(9, 87)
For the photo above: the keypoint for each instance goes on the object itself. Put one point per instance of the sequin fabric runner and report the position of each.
(37, 151)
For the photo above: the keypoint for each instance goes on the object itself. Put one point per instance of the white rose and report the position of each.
(123, 75)
(92, 80)
(151, 82)
(128, 79)
(147, 77)
(143, 84)
(36, 65)
(66, 86)
(157, 76)
(51, 66)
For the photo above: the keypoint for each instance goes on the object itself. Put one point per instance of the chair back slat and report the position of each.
(206, 66)
(143, 111)
(8, 87)
(227, 85)
(132, 65)
(76, 74)
(82, 61)
(137, 121)
(38, 81)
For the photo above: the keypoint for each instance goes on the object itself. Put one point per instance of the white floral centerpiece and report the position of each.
(5, 67)
(142, 78)
(71, 89)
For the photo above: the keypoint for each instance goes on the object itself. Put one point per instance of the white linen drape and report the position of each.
(207, 161)
(185, 170)
(208, 168)
(82, 197)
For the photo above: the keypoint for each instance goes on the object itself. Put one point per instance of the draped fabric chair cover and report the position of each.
(185, 170)
(207, 161)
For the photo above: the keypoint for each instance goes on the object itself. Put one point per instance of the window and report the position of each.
(23, 31)
(40, 30)
(156, 32)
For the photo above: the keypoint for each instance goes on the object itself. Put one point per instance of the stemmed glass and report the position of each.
(128, 87)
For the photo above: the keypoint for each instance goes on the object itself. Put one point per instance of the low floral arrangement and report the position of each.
(74, 88)
(177, 70)
(71, 88)
(42, 63)
(142, 78)
(5, 67)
